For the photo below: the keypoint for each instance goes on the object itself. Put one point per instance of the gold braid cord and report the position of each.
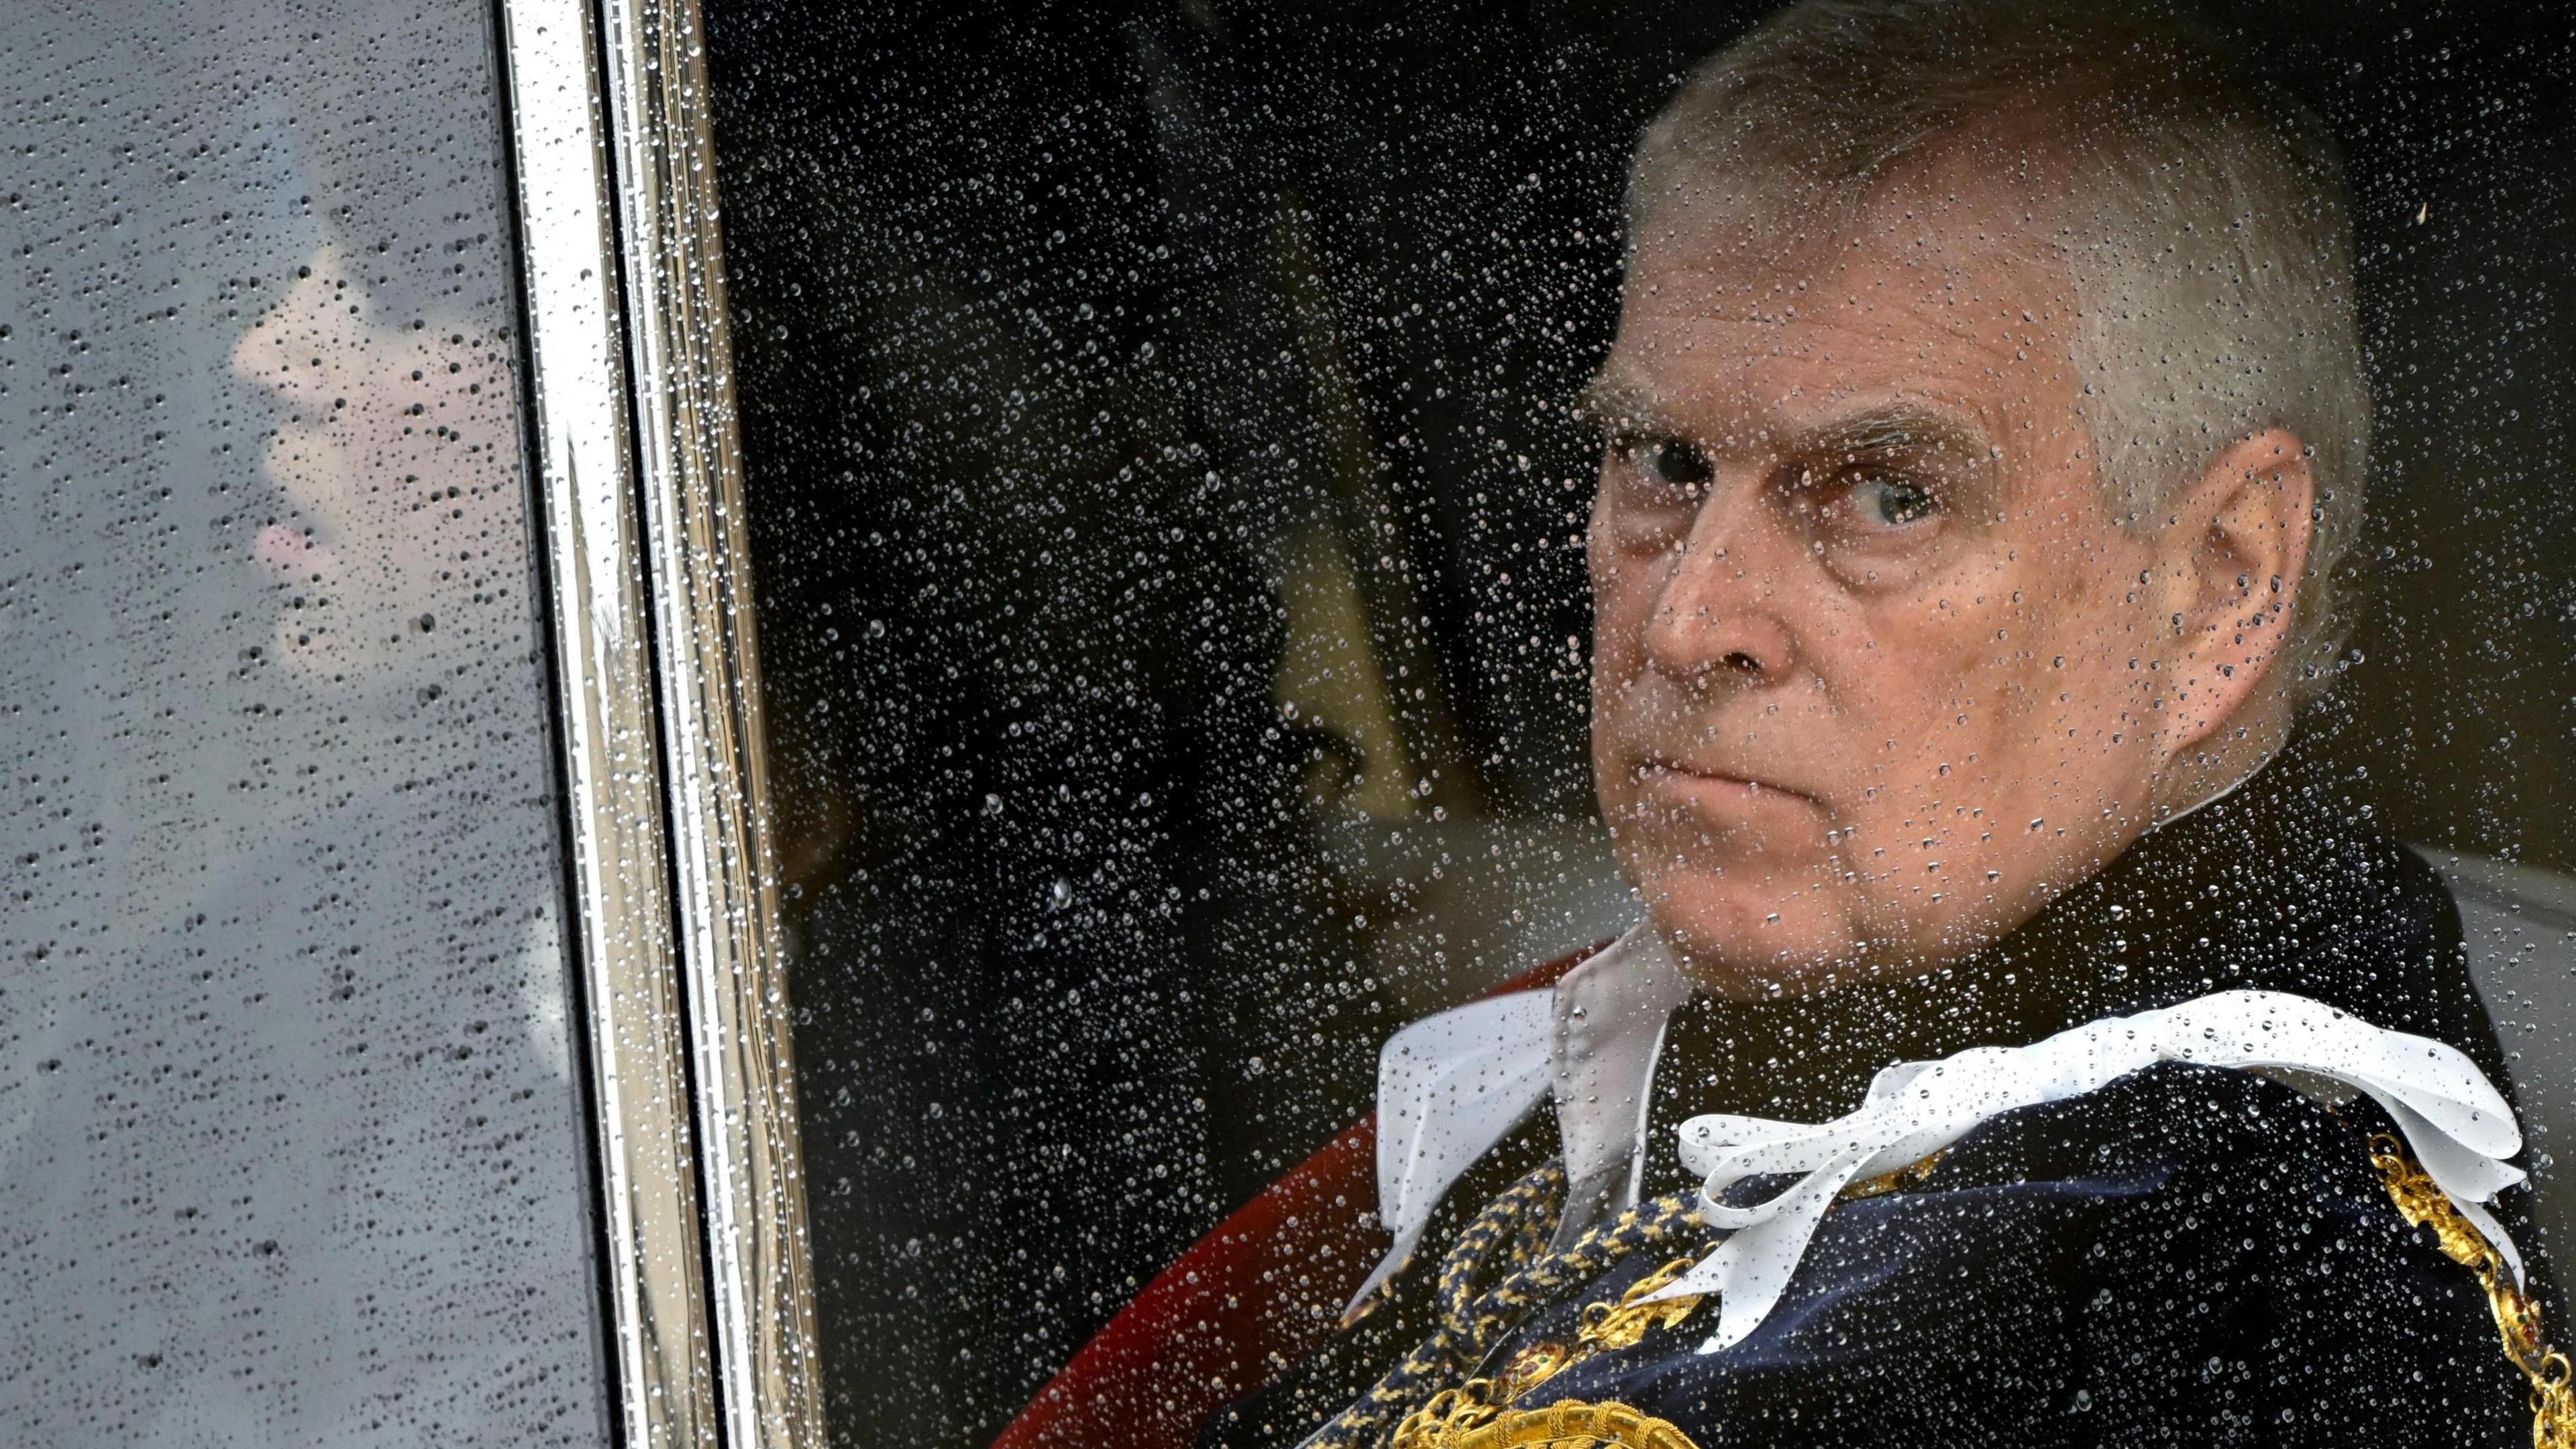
(1480, 1413)
(1404, 1412)
(1499, 1273)
(2423, 1204)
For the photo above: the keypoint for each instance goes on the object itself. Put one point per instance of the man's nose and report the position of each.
(1717, 620)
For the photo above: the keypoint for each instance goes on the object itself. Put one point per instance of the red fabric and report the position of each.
(1262, 1291)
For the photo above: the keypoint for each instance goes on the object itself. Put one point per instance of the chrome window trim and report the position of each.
(657, 689)
(604, 688)
(698, 531)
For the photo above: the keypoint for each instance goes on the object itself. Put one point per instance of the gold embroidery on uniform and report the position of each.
(1478, 1414)
(2422, 1203)
(1482, 1414)
(1601, 1328)
(1500, 1272)
(1459, 1423)
(1909, 1175)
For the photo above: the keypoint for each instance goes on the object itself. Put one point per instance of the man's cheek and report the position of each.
(1618, 615)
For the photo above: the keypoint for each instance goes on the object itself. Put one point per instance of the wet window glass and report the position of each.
(1732, 547)
(290, 1146)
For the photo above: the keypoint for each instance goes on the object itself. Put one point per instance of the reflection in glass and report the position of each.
(1174, 440)
(290, 1147)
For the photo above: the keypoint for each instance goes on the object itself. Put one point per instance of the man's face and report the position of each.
(397, 453)
(1871, 675)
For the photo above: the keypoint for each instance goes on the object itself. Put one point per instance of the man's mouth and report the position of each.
(1702, 789)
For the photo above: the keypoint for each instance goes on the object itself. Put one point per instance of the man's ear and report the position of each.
(2231, 552)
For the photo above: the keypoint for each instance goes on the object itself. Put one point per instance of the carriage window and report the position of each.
(290, 1143)
(1916, 527)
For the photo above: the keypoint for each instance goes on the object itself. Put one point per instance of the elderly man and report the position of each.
(1985, 430)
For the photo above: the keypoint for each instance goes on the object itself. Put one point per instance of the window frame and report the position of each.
(636, 467)
(645, 552)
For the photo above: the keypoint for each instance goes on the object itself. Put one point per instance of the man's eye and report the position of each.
(1886, 502)
(1675, 461)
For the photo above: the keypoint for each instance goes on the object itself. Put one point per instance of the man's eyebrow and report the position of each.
(1609, 399)
(1902, 425)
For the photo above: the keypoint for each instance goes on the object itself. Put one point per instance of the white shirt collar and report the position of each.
(1609, 1019)
(1453, 1085)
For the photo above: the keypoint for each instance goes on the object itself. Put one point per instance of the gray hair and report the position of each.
(2209, 236)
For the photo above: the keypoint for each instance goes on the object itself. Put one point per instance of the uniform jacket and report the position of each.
(2187, 1254)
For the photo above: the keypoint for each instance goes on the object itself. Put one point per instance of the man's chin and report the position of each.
(1746, 947)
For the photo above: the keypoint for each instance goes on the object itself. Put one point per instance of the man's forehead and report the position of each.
(1744, 380)
(2001, 179)
(1923, 232)
(1936, 303)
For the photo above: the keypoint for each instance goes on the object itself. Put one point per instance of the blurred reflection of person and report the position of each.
(334, 1008)
(410, 997)
(396, 451)
(1986, 433)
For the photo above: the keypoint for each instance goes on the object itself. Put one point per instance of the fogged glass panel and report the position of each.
(1932, 526)
(290, 1147)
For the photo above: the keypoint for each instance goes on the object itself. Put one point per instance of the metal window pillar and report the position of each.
(639, 474)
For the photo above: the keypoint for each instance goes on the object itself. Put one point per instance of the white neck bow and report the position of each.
(2455, 1122)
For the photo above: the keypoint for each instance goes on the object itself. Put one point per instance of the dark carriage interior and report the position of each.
(1169, 510)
